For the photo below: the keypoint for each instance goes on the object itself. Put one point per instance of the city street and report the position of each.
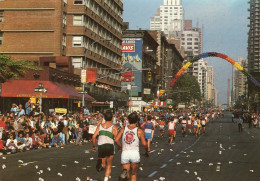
(220, 154)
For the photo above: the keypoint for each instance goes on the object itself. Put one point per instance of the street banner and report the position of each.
(92, 129)
(61, 110)
(91, 75)
(161, 92)
(83, 76)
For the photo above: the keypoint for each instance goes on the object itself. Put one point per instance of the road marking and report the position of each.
(220, 152)
(152, 174)
(164, 165)
(218, 168)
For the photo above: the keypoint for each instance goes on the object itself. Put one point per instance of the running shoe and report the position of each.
(123, 176)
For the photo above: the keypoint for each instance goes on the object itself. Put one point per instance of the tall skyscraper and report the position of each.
(253, 38)
(211, 90)
(170, 18)
(191, 39)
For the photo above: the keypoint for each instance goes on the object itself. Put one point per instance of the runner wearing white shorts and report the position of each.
(130, 157)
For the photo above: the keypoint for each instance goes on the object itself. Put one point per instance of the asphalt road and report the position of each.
(221, 154)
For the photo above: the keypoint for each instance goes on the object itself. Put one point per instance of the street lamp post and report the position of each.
(83, 84)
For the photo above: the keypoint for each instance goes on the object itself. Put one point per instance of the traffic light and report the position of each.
(149, 76)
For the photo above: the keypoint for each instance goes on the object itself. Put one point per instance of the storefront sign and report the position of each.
(61, 110)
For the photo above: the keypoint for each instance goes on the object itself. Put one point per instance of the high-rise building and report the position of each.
(239, 82)
(200, 72)
(253, 37)
(88, 31)
(170, 18)
(191, 41)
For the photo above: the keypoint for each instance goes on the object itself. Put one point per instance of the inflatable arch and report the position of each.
(214, 54)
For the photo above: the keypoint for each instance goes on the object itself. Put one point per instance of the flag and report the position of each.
(91, 75)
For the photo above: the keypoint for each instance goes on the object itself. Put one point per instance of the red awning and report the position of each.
(25, 88)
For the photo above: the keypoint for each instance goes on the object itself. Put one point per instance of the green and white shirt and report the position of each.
(106, 135)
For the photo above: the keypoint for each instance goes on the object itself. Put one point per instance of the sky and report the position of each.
(225, 29)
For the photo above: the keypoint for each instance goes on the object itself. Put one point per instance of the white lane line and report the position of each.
(220, 152)
(152, 174)
(171, 160)
(218, 168)
(164, 165)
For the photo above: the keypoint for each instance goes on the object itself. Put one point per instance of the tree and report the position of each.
(186, 89)
(10, 69)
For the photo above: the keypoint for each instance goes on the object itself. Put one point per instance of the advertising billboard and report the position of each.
(132, 65)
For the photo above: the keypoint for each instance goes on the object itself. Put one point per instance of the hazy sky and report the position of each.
(225, 29)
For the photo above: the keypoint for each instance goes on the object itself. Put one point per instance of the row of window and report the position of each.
(78, 62)
(91, 4)
(82, 41)
(190, 39)
(82, 20)
(1, 16)
(190, 43)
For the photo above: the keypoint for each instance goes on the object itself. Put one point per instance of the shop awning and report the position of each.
(25, 88)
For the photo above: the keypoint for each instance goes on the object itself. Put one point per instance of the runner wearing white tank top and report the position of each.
(130, 157)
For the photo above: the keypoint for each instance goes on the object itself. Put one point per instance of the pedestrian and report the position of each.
(240, 122)
(28, 107)
(80, 128)
(106, 150)
(130, 157)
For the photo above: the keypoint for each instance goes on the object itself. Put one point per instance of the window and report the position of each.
(64, 19)
(79, 2)
(77, 41)
(189, 43)
(78, 20)
(1, 16)
(1, 38)
(77, 62)
(189, 48)
(189, 34)
(189, 39)
(64, 40)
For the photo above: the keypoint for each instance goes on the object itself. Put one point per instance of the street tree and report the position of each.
(10, 69)
(186, 90)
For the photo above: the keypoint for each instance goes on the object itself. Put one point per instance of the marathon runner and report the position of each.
(183, 126)
(130, 157)
(171, 129)
(203, 124)
(148, 127)
(189, 125)
(161, 127)
(107, 132)
(195, 126)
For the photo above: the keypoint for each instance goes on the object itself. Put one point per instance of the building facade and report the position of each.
(88, 31)
(240, 82)
(211, 89)
(253, 37)
(169, 19)
(139, 62)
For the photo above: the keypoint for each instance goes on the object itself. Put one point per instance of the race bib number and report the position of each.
(148, 131)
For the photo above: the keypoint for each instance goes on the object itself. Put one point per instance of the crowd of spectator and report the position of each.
(21, 130)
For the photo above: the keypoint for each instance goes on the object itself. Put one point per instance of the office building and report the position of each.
(170, 18)
(88, 31)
